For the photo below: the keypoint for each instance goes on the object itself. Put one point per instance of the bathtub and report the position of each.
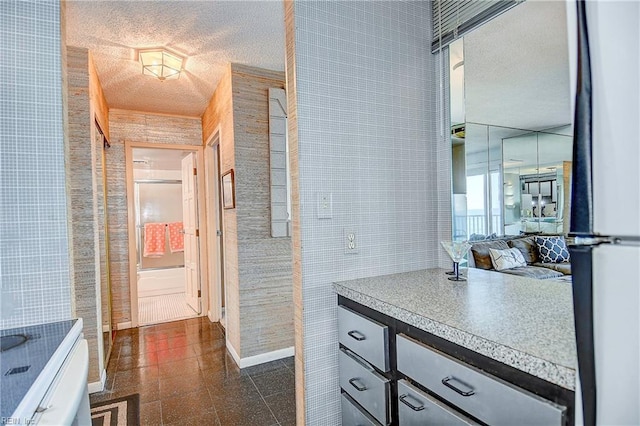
(161, 281)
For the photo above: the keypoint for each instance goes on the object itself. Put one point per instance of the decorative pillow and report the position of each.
(527, 247)
(480, 252)
(506, 259)
(552, 249)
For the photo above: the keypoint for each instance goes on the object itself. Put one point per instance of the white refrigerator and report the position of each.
(605, 215)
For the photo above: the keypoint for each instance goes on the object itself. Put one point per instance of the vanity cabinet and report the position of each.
(392, 373)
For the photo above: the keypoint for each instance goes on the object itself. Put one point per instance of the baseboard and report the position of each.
(233, 353)
(261, 358)
(98, 386)
(123, 325)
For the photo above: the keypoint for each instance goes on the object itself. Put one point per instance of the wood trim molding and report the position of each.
(131, 223)
(296, 243)
(212, 202)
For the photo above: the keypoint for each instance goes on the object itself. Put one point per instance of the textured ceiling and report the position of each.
(211, 34)
(516, 68)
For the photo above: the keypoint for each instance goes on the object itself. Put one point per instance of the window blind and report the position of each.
(453, 18)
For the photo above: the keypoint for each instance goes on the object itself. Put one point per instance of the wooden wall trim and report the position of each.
(292, 105)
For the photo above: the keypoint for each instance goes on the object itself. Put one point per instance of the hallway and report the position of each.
(185, 376)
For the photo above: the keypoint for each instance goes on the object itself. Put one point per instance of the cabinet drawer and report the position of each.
(354, 416)
(367, 387)
(488, 398)
(416, 408)
(365, 337)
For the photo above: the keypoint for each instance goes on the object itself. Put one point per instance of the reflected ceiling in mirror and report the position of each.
(517, 68)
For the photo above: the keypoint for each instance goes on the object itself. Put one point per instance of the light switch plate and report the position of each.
(325, 205)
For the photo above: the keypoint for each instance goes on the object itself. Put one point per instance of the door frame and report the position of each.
(215, 216)
(131, 223)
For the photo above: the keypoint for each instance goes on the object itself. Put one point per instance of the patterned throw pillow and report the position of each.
(552, 249)
(506, 259)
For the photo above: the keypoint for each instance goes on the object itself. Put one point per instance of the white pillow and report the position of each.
(506, 259)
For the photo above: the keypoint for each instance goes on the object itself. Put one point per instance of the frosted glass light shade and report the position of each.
(160, 63)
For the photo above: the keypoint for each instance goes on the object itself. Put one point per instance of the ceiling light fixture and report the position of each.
(160, 63)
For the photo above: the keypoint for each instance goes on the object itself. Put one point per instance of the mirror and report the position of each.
(511, 124)
(280, 180)
(534, 186)
(100, 145)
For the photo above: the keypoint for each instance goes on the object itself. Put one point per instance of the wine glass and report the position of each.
(456, 250)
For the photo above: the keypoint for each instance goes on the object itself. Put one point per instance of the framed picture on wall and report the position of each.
(228, 190)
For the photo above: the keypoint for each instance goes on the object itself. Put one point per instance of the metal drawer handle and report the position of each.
(359, 387)
(468, 392)
(404, 398)
(357, 335)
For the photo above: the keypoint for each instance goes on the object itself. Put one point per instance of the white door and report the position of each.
(190, 220)
(214, 225)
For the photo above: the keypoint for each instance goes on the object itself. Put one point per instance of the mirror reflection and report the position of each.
(108, 334)
(511, 125)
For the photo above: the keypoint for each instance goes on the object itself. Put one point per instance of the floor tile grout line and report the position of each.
(263, 398)
(215, 409)
(200, 333)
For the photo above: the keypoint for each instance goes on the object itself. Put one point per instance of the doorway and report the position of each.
(164, 234)
(215, 219)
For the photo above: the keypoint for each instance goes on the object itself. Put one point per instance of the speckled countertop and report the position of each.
(522, 322)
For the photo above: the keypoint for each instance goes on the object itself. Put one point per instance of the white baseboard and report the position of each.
(233, 353)
(261, 358)
(123, 325)
(98, 386)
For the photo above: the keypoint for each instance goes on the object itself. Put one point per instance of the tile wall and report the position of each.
(34, 249)
(369, 133)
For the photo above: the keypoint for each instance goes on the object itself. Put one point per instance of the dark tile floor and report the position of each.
(185, 376)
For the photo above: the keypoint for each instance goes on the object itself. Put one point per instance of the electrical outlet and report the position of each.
(325, 205)
(351, 242)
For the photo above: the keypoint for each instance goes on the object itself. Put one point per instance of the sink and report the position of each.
(11, 341)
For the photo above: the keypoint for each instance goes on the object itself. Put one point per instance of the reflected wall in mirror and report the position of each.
(108, 334)
(511, 124)
(534, 189)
